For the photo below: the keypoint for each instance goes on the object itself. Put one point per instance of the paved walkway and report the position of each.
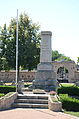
(20, 113)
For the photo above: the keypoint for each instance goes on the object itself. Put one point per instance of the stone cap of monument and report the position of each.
(46, 33)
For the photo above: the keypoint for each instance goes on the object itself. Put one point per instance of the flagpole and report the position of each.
(17, 51)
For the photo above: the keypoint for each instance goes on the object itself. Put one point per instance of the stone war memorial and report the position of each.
(45, 76)
(38, 94)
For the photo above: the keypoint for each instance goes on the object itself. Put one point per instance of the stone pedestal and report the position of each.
(45, 76)
(45, 80)
(19, 87)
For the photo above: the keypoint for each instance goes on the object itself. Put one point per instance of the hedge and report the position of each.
(69, 103)
(7, 89)
(71, 90)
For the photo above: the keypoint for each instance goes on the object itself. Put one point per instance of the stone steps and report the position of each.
(31, 101)
(29, 105)
(37, 101)
(33, 96)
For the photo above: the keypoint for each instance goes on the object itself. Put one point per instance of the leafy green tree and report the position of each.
(29, 39)
(3, 43)
(4, 64)
(77, 60)
(64, 58)
(56, 56)
(0, 64)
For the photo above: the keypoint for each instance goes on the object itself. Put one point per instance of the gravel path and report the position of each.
(21, 113)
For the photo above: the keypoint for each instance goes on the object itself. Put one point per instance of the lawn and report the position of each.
(72, 113)
(1, 94)
(67, 84)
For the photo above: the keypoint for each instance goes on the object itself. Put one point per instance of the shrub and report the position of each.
(71, 90)
(7, 89)
(69, 103)
(52, 93)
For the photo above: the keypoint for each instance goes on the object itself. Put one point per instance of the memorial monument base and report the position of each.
(45, 77)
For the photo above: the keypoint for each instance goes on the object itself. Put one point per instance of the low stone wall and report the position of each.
(76, 76)
(10, 76)
(6, 101)
(54, 106)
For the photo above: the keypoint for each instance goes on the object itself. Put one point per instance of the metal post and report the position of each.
(17, 51)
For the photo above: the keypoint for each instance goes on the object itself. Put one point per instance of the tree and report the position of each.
(64, 58)
(0, 64)
(77, 60)
(56, 56)
(3, 42)
(29, 40)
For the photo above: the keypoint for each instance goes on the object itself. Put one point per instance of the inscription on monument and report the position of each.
(45, 54)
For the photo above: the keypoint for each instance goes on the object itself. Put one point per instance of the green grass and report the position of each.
(72, 113)
(7, 89)
(67, 84)
(1, 94)
(4, 96)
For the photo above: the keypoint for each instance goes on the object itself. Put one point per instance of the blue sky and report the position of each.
(59, 16)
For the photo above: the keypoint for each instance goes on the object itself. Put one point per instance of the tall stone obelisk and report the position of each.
(45, 76)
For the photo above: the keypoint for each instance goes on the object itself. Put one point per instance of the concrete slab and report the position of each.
(33, 114)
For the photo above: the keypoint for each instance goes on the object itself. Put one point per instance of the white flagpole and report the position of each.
(17, 51)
